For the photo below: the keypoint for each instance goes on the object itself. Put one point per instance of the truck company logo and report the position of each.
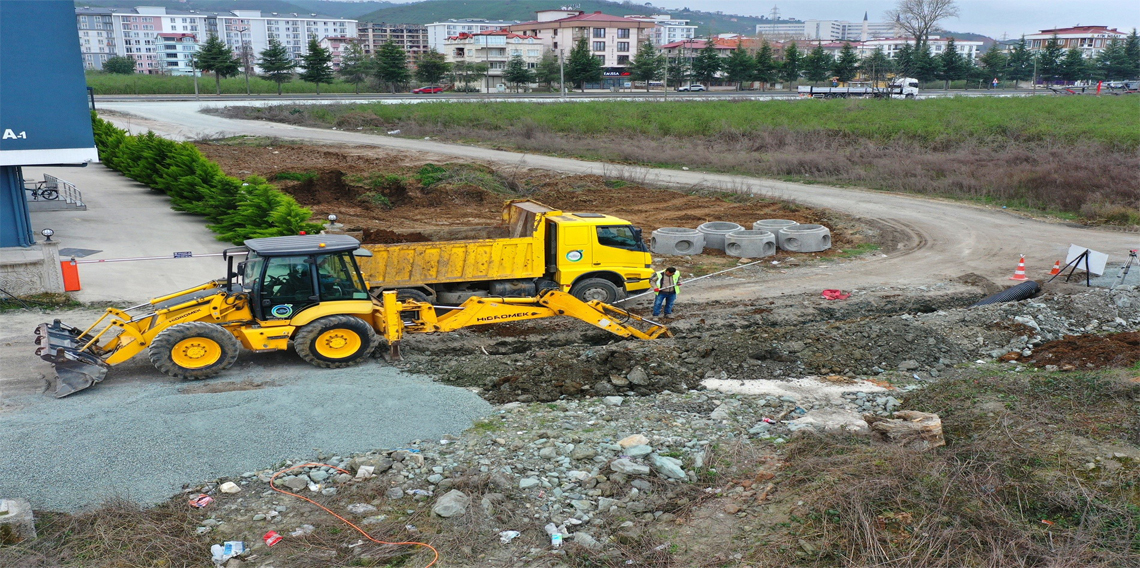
(506, 316)
(282, 311)
(574, 255)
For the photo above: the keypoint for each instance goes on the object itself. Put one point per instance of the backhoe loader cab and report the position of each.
(287, 275)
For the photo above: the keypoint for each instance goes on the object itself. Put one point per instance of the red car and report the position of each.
(427, 90)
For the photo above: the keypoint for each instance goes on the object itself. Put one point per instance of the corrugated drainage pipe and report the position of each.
(1022, 291)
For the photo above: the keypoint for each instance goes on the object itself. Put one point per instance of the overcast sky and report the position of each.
(989, 17)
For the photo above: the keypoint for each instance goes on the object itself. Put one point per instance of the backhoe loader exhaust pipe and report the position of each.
(75, 370)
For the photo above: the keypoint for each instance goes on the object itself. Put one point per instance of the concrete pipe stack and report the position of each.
(716, 231)
(750, 244)
(677, 241)
(805, 238)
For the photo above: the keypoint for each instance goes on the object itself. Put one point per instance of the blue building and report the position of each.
(44, 115)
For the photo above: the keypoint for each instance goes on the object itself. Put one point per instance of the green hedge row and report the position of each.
(235, 209)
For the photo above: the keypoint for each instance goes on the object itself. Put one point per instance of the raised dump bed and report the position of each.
(677, 241)
(715, 232)
(805, 238)
(750, 244)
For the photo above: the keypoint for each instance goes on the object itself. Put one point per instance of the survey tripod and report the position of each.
(1076, 263)
(1124, 269)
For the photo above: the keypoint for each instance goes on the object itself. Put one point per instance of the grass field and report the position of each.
(1074, 157)
(109, 84)
(1112, 121)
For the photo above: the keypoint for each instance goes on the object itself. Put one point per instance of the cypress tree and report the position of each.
(317, 64)
(276, 64)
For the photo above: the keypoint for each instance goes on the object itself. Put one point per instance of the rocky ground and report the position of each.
(661, 453)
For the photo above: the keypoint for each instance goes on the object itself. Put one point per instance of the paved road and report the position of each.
(123, 219)
(933, 239)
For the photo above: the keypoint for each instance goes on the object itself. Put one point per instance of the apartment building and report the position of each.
(412, 38)
(495, 48)
(176, 52)
(612, 39)
(1090, 40)
(829, 30)
(968, 49)
(107, 32)
(666, 29)
(438, 32)
(336, 46)
(97, 37)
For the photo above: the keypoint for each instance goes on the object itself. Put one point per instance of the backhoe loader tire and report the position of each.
(194, 350)
(596, 289)
(333, 342)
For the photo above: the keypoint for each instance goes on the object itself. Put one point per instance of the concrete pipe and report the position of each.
(804, 238)
(677, 241)
(750, 244)
(715, 232)
(772, 225)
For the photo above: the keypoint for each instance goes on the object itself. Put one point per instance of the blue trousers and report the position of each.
(665, 298)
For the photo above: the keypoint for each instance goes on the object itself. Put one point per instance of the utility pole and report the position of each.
(194, 68)
(562, 73)
(245, 56)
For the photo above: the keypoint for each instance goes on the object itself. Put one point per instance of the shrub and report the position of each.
(431, 174)
(236, 210)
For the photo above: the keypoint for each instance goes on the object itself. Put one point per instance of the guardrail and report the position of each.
(67, 190)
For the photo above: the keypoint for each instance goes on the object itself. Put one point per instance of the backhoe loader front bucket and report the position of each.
(75, 368)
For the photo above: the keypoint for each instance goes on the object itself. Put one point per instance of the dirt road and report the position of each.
(933, 240)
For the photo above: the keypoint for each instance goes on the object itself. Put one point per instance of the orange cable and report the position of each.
(344, 520)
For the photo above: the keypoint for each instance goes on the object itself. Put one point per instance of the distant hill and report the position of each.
(523, 10)
(966, 36)
(351, 10)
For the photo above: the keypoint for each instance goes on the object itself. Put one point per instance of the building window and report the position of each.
(599, 46)
(623, 33)
(623, 60)
(599, 32)
(623, 46)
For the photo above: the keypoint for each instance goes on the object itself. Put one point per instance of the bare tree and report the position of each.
(919, 18)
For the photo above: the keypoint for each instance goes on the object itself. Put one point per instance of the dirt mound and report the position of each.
(1090, 351)
(376, 190)
(382, 237)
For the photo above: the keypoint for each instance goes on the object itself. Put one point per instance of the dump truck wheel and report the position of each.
(194, 350)
(335, 341)
(596, 289)
(405, 294)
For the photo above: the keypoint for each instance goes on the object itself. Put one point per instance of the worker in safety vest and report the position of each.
(666, 285)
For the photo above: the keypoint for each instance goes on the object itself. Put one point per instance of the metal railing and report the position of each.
(67, 190)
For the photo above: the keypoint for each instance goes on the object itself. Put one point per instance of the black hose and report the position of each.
(1022, 291)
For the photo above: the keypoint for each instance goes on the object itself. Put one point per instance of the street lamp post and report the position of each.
(244, 56)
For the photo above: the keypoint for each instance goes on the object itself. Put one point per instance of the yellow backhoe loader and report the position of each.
(307, 290)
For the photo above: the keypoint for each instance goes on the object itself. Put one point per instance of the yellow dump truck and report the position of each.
(590, 255)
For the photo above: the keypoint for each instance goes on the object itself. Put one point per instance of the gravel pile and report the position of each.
(581, 468)
(146, 442)
(890, 330)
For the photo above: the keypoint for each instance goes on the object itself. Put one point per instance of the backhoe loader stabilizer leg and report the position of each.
(75, 370)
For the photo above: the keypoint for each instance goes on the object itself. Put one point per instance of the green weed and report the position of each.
(296, 176)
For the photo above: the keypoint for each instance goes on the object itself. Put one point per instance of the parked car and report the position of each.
(694, 87)
(427, 90)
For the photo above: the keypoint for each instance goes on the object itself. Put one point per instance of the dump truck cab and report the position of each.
(596, 256)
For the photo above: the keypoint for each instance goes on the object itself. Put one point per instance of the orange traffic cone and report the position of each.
(1056, 269)
(1019, 274)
